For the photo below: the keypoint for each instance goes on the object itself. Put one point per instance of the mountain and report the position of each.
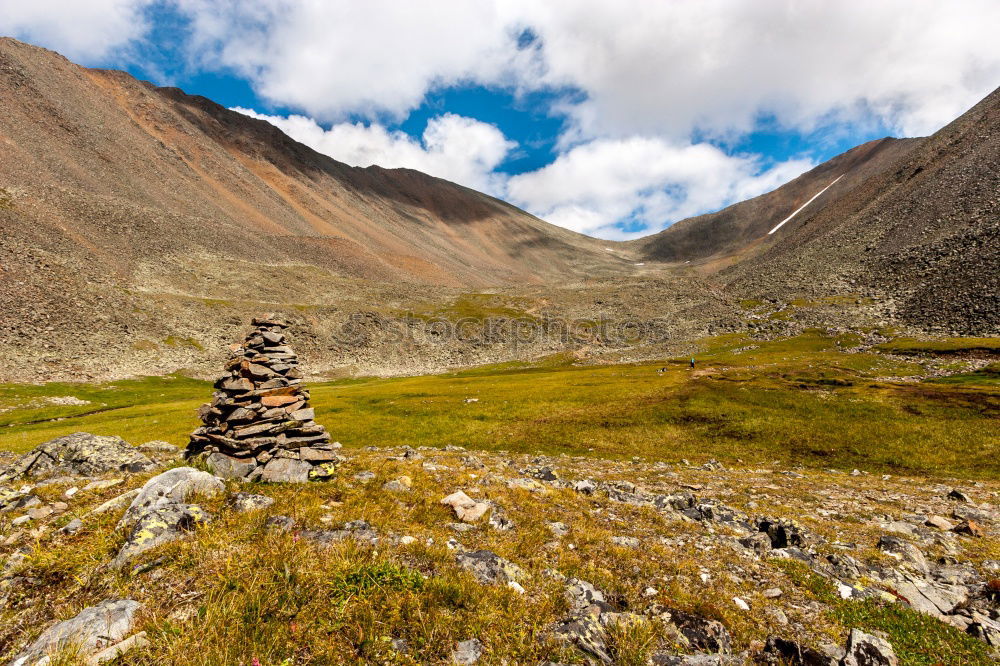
(111, 171)
(921, 236)
(143, 227)
(728, 234)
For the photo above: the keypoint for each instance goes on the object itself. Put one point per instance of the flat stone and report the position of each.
(278, 400)
(286, 470)
(467, 652)
(319, 455)
(306, 414)
(939, 522)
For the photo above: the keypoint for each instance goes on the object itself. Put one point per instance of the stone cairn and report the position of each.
(259, 425)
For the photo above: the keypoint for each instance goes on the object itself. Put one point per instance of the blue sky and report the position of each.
(610, 118)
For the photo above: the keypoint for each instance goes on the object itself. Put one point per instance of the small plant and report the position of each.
(367, 579)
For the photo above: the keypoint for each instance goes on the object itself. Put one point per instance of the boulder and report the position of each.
(230, 467)
(78, 454)
(867, 650)
(92, 630)
(174, 486)
(157, 526)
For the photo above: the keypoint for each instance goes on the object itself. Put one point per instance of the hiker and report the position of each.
(692, 362)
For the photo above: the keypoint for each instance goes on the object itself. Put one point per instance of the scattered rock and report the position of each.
(466, 509)
(171, 487)
(939, 522)
(400, 485)
(92, 630)
(867, 650)
(488, 567)
(244, 502)
(969, 528)
(467, 652)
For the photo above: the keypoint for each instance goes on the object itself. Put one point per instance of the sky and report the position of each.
(614, 118)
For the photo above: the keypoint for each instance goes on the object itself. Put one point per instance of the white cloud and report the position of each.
(453, 147)
(87, 31)
(648, 68)
(646, 180)
(342, 57)
(666, 68)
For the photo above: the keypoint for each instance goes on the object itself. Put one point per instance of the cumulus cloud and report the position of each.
(717, 65)
(647, 181)
(453, 147)
(87, 31)
(663, 68)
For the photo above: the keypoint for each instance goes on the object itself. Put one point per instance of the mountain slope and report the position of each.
(105, 160)
(922, 236)
(731, 232)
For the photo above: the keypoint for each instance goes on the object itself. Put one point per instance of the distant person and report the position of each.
(692, 362)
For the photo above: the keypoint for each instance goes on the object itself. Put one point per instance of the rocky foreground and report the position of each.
(111, 549)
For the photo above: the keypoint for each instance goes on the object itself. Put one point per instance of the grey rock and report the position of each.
(701, 633)
(230, 467)
(499, 520)
(558, 529)
(867, 650)
(286, 470)
(958, 496)
(175, 486)
(584, 598)
(467, 652)
(364, 476)
(905, 551)
(783, 651)
(282, 523)
(72, 527)
(488, 567)
(92, 630)
(244, 502)
(625, 541)
(158, 446)
(78, 454)
(157, 526)
(585, 633)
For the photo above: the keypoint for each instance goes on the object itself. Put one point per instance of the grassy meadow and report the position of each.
(801, 401)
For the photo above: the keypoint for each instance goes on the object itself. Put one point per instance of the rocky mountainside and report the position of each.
(142, 226)
(923, 235)
(729, 234)
(104, 169)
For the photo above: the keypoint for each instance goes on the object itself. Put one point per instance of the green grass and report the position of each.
(917, 639)
(800, 401)
(941, 346)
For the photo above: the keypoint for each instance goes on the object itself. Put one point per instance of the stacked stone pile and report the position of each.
(259, 425)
